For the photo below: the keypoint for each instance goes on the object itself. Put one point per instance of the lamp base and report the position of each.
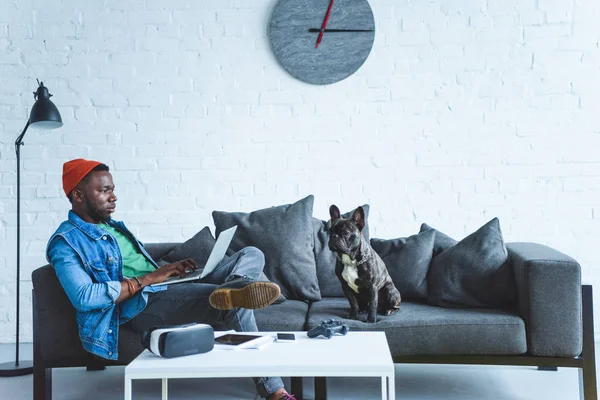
(8, 369)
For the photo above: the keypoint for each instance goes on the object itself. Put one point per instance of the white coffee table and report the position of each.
(356, 354)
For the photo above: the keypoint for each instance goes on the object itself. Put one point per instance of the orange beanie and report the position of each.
(74, 171)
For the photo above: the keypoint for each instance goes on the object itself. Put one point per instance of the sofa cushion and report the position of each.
(288, 316)
(198, 248)
(285, 235)
(474, 273)
(159, 250)
(441, 241)
(421, 329)
(329, 283)
(407, 261)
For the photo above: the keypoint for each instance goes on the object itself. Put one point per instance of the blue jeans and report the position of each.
(187, 302)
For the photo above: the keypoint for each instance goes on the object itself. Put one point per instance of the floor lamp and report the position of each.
(44, 115)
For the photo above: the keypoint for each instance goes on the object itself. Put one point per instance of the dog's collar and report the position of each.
(366, 257)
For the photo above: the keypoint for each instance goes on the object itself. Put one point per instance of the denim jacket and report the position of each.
(88, 263)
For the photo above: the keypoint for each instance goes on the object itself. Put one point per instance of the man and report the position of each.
(106, 273)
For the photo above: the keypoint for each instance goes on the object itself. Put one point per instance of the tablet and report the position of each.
(234, 339)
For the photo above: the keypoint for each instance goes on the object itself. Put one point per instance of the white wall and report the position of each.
(465, 110)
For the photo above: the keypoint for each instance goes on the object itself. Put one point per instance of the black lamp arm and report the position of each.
(19, 141)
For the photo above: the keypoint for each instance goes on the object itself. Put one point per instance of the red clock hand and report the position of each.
(324, 23)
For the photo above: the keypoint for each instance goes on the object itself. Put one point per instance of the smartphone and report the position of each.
(286, 337)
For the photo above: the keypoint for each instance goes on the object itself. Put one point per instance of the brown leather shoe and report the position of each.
(244, 293)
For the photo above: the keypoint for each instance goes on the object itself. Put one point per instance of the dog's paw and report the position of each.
(371, 319)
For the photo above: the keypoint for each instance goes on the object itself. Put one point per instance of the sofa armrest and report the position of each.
(56, 335)
(549, 291)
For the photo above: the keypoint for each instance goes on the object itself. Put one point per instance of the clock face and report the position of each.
(346, 29)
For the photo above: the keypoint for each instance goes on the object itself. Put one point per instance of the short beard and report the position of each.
(100, 218)
(94, 214)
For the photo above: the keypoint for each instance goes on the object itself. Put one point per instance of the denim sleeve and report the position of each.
(85, 295)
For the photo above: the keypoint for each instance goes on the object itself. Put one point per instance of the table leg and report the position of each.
(384, 385)
(127, 388)
(165, 389)
(581, 386)
(392, 386)
(320, 388)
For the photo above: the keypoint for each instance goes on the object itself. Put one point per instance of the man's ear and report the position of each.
(77, 195)
(358, 216)
(334, 213)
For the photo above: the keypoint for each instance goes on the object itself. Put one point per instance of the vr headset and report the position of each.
(179, 340)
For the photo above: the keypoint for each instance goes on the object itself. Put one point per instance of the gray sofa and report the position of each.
(551, 327)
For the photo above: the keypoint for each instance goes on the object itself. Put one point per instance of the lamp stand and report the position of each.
(18, 368)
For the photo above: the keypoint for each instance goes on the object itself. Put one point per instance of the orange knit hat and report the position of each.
(74, 171)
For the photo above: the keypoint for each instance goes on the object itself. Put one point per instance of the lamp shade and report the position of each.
(44, 113)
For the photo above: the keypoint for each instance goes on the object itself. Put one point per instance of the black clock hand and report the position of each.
(315, 30)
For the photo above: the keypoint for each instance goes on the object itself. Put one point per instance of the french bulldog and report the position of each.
(365, 279)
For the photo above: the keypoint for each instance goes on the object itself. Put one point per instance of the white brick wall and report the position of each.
(465, 110)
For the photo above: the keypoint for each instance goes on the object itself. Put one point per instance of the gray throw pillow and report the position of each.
(475, 272)
(328, 282)
(198, 248)
(441, 241)
(407, 260)
(284, 234)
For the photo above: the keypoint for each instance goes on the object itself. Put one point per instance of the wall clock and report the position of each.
(322, 41)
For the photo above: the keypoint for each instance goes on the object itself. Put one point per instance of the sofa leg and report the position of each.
(296, 387)
(95, 363)
(540, 368)
(321, 388)
(587, 375)
(42, 383)
(95, 367)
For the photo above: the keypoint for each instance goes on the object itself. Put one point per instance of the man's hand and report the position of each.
(179, 268)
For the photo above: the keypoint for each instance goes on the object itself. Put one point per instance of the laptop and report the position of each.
(215, 257)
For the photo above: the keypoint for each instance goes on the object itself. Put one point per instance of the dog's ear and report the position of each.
(358, 216)
(334, 213)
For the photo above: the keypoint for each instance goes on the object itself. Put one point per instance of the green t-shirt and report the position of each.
(134, 262)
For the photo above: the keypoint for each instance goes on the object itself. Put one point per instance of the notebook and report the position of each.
(215, 257)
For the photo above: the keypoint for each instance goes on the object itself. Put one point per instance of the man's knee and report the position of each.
(254, 253)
